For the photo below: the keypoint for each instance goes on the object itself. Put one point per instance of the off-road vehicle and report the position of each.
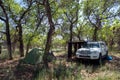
(93, 50)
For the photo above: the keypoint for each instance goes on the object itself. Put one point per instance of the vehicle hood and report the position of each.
(89, 49)
(94, 49)
(83, 49)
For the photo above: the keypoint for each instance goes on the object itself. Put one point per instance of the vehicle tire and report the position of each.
(100, 60)
(106, 54)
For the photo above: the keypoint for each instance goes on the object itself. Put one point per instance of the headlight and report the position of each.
(77, 52)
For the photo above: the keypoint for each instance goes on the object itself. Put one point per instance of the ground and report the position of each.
(85, 70)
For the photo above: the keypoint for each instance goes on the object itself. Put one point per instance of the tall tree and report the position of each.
(72, 10)
(19, 19)
(116, 30)
(36, 22)
(96, 13)
(6, 20)
(21, 48)
(50, 32)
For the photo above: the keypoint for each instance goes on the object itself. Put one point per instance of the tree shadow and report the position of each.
(90, 64)
(24, 71)
(64, 56)
(114, 64)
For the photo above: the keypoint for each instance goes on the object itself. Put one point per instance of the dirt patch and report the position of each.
(24, 72)
(6, 68)
(10, 70)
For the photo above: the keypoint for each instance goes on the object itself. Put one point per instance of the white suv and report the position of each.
(93, 51)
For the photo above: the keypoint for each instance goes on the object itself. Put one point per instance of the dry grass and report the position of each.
(61, 69)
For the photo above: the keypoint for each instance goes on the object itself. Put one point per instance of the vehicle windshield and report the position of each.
(90, 45)
(93, 45)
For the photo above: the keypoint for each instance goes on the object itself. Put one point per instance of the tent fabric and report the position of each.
(109, 57)
(33, 57)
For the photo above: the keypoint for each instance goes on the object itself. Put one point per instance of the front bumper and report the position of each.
(88, 56)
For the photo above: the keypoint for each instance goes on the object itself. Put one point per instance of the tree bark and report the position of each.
(111, 43)
(95, 34)
(21, 45)
(15, 41)
(71, 30)
(0, 48)
(8, 40)
(50, 32)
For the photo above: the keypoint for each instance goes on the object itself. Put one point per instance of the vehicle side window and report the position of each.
(102, 45)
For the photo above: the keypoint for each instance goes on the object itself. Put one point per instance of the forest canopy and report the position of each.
(50, 24)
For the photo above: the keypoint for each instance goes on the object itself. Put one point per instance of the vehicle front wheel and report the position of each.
(100, 60)
(106, 54)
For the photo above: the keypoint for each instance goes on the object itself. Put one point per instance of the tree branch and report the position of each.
(24, 13)
(4, 11)
(91, 21)
(40, 3)
(68, 17)
(2, 19)
(2, 32)
(105, 8)
(110, 16)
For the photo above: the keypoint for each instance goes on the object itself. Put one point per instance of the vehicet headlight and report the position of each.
(78, 52)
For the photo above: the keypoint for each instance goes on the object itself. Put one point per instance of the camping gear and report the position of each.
(109, 57)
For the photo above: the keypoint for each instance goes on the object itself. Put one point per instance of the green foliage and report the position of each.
(43, 74)
(73, 8)
(105, 33)
(60, 72)
(58, 42)
(3, 55)
(15, 6)
(92, 7)
(98, 14)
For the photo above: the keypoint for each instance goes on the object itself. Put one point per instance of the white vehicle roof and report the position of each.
(96, 42)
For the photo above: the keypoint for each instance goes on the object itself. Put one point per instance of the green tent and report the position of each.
(33, 57)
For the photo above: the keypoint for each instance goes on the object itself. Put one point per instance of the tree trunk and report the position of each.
(78, 36)
(95, 34)
(14, 43)
(50, 32)
(8, 40)
(0, 48)
(119, 45)
(111, 43)
(47, 46)
(70, 45)
(71, 27)
(21, 46)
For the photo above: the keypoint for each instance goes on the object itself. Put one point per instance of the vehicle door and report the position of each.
(103, 49)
